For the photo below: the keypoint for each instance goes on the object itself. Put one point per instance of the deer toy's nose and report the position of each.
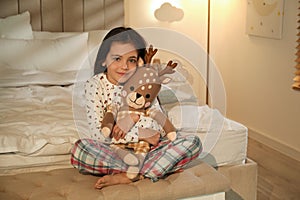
(138, 95)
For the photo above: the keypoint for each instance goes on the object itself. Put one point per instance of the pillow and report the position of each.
(16, 26)
(48, 62)
(94, 40)
(42, 35)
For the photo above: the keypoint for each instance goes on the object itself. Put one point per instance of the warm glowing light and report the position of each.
(157, 3)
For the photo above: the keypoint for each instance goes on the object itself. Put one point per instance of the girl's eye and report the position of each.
(132, 60)
(131, 88)
(117, 58)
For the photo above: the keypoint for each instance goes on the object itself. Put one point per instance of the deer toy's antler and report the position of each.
(149, 54)
(169, 69)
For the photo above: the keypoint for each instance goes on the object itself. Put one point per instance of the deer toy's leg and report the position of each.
(140, 149)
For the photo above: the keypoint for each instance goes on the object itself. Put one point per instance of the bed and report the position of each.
(46, 56)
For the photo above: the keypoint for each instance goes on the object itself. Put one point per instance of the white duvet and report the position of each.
(37, 120)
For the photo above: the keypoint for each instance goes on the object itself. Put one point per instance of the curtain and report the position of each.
(296, 84)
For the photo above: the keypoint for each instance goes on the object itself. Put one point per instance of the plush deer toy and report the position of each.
(138, 94)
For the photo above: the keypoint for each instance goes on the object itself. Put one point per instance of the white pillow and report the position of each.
(50, 62)
(47, 35)
(16, 26)
(94, 40)
(42, 35)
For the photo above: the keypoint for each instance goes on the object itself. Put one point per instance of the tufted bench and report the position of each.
(69, 184)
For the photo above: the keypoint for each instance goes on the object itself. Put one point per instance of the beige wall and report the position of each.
(258, 75)
(257, 72)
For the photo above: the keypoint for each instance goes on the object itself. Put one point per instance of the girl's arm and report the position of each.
(95, 105)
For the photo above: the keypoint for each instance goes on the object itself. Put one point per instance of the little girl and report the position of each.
(118, 56)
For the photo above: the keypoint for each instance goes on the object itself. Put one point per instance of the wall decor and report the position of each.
(265, 18)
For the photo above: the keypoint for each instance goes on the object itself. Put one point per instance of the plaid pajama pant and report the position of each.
(98, 158)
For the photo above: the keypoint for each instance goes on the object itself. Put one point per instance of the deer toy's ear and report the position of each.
(165, 79)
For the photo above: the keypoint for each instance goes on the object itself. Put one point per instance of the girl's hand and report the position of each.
(124, 125)
(118, 133)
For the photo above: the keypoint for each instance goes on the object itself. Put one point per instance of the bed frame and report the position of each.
(87, 15)
(67, 15)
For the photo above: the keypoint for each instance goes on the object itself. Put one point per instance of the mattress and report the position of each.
(224, 141)
(229, 149)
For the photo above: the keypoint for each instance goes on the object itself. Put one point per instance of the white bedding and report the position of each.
(37, 120)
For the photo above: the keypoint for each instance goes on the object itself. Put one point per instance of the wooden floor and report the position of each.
(278, 175)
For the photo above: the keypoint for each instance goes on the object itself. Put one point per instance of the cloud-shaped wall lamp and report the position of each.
(168, 13)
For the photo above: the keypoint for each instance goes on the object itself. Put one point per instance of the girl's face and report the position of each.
(121, 62)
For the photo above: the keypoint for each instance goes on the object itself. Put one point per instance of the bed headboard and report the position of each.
(67, 15)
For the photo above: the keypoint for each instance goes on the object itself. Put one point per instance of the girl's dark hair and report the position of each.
(123, 35)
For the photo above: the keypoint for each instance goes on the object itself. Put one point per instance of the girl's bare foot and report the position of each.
(112, 180)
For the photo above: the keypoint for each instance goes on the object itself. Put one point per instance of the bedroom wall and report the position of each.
(257, 72)
(258, 75)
